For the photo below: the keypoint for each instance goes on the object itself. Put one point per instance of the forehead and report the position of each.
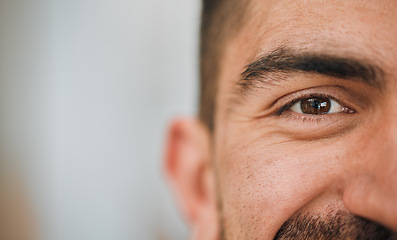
(311, 23)
(359, 29)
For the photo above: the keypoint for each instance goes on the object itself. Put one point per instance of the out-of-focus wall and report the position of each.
(87, 88)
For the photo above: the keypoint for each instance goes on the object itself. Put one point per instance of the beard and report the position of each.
(335, 226)
(340, 225)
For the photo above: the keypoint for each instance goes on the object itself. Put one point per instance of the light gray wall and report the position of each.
(87, 88)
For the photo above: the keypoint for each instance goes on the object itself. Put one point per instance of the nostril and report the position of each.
(358, 196)
(372, 199)
(350, 199)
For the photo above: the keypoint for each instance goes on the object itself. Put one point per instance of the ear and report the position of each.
(189, 170)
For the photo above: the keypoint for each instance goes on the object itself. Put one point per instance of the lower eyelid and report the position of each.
(302, 127)
(289, 115)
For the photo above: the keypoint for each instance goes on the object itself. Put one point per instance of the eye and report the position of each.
(317, 106)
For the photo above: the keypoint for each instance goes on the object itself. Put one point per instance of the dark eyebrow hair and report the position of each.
(268, 70)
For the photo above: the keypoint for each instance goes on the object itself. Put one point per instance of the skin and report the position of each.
(257, 170)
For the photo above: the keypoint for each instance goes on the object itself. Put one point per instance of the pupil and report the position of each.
(316, 105)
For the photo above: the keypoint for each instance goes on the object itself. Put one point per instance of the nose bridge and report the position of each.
(380, 150)
(371, 190)
(386, 133)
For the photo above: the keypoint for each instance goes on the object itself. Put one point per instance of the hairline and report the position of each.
(221, 21)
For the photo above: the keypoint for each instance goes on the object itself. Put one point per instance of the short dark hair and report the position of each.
(220, 21)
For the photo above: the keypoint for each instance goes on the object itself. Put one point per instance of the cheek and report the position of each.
(265, 183)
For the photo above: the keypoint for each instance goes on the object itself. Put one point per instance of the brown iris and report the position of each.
(316, 105)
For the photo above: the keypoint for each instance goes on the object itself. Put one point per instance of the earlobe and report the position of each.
(188, 168)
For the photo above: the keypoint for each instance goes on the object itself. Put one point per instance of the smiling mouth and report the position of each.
(340, 225)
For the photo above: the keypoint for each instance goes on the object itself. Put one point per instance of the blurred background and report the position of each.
(87, 88)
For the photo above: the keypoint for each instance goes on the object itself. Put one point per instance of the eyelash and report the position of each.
(305, 117)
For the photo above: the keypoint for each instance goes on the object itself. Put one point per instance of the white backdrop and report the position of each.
(87, 89)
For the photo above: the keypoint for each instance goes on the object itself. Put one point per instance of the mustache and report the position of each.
(340, 225)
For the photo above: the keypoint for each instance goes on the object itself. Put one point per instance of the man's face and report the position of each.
(310, 121)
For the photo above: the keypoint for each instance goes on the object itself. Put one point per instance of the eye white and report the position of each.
(335, 107)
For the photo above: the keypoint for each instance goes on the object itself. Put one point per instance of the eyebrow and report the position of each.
(270, 70)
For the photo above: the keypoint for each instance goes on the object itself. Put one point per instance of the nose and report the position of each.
(371, 190)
